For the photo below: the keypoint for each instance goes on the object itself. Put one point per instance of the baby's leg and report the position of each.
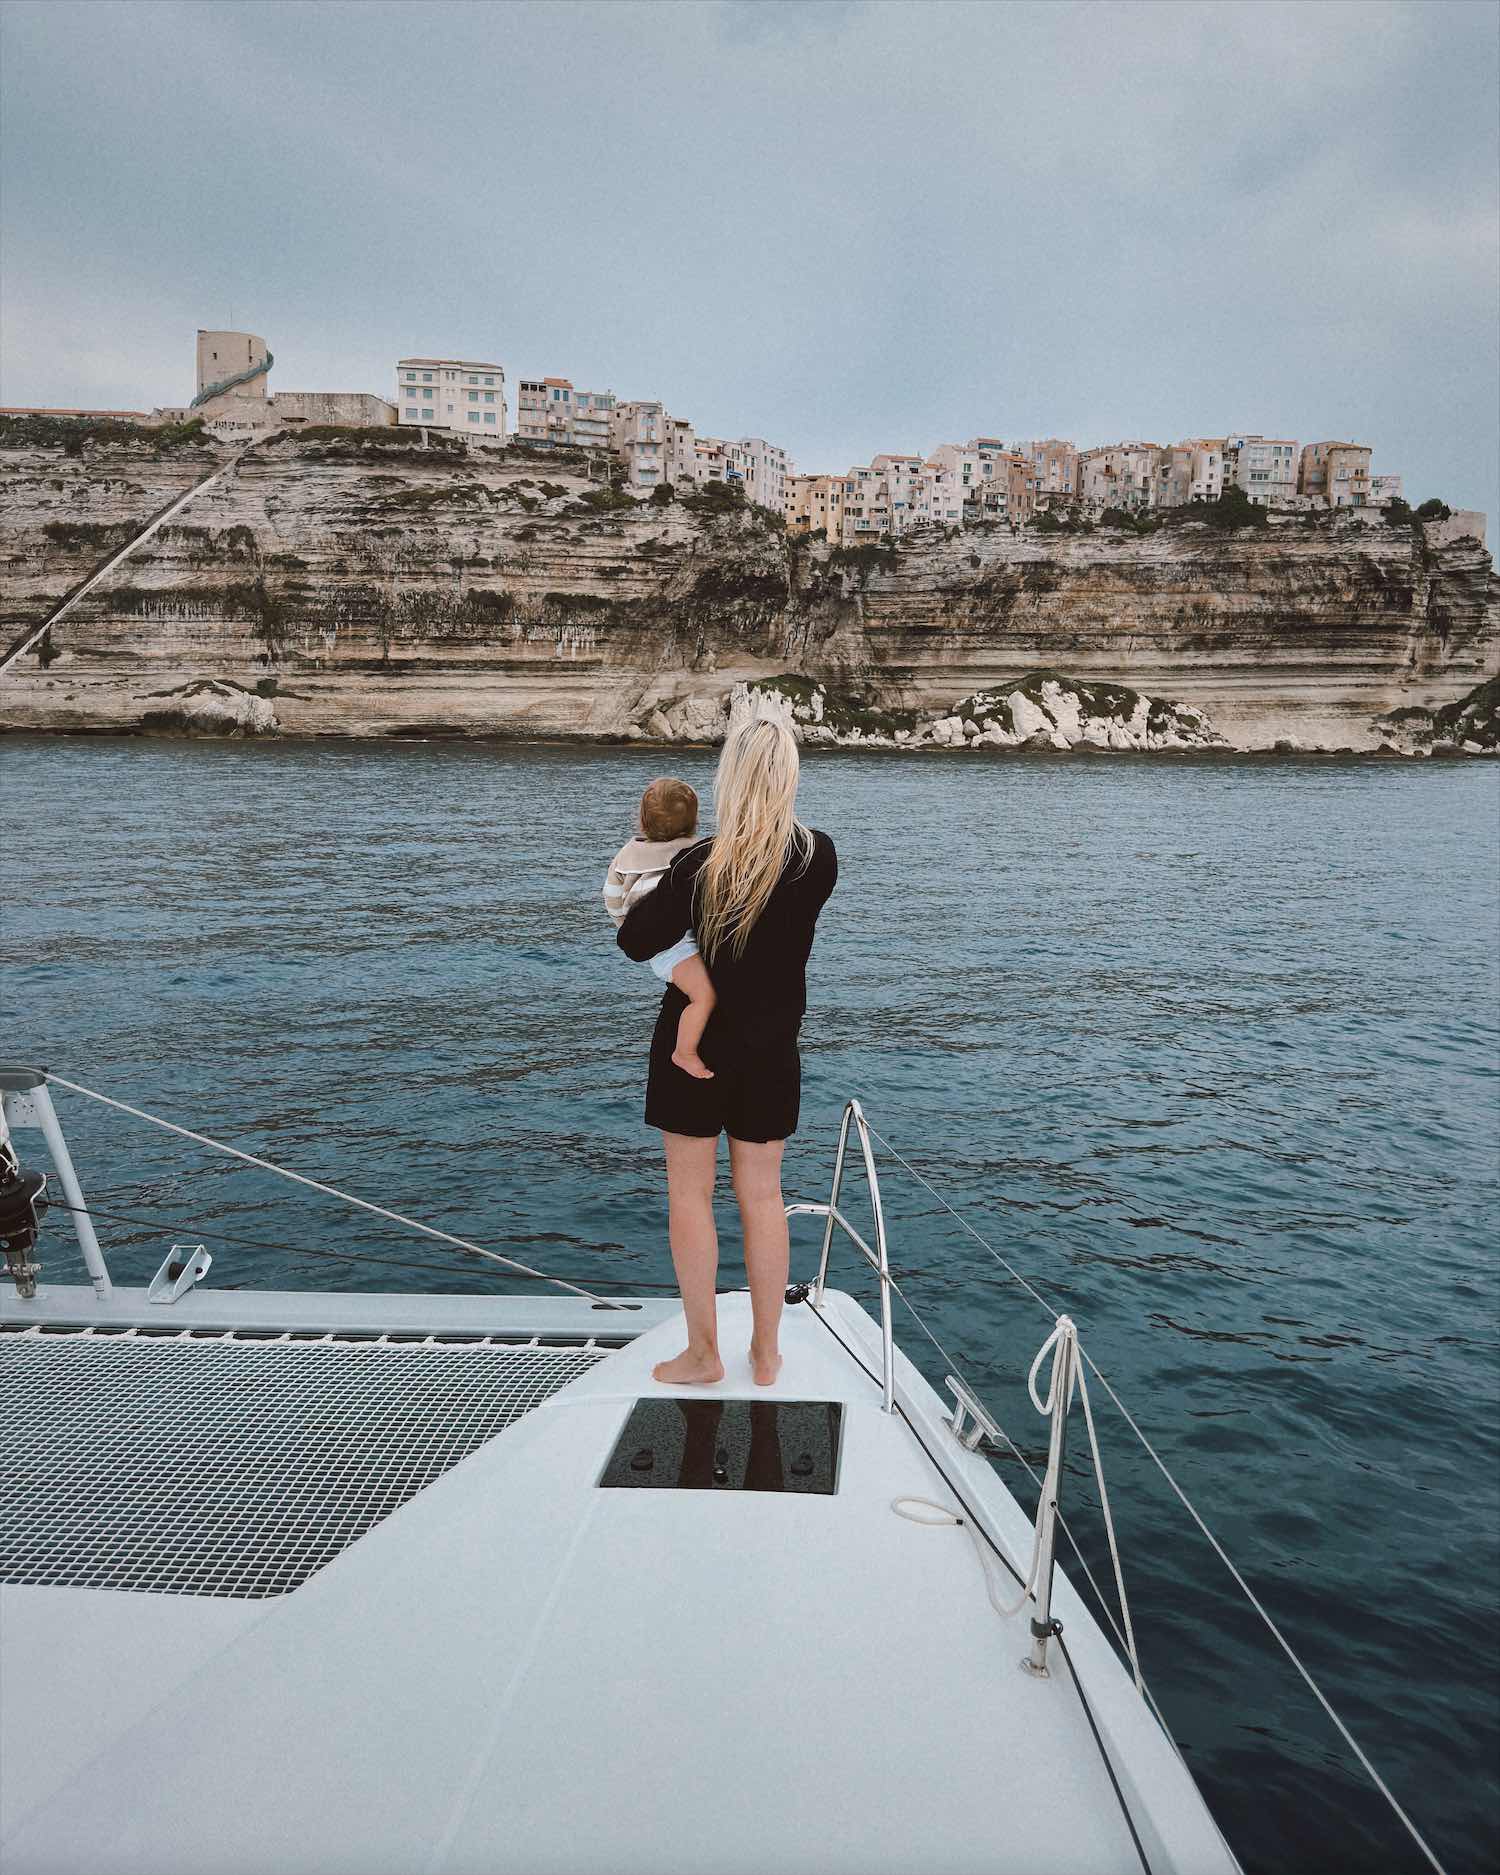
(691, 977)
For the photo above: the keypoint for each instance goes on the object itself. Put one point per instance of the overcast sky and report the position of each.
(846, 225)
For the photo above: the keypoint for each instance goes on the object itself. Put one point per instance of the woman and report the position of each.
(752, 895)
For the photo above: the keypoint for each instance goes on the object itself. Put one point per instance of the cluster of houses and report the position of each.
(958, 484)
(986, 479)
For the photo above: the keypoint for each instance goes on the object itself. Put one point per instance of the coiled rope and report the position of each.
(1218, 1548)
(1047, 1407)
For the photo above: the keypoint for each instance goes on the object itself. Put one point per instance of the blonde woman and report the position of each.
(751, 895)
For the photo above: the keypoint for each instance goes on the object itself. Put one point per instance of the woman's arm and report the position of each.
(663, 915)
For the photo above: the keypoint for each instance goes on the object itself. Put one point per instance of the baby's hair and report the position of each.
(669, 809)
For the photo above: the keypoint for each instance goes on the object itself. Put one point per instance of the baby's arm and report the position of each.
(614, 893)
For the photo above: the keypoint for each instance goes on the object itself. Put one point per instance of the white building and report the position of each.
(1384, 489)
(973, 466)
(452, 394)
(764, 470)
(1264, 466)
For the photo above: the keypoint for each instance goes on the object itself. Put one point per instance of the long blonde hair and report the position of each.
(755, 793)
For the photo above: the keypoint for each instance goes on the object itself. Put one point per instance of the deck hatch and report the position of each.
(235, 1468)
(672, 1444)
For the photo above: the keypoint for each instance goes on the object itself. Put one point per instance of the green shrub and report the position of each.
(663, 495)
(1234, 508)
(1433, 510)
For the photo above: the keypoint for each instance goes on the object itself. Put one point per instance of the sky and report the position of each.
(845, 225)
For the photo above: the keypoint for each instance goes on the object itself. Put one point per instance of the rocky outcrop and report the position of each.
(210, 708)
(1469, 726)
(1044, 711)
(378, 587)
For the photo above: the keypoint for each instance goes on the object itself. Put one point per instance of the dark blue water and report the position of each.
(1207, 1050)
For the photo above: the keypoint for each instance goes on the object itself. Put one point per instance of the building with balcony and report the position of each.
(1054, 471)
(638, 436)
(1119, 475)
(553, 410)
(763, 468)
(1338, 474)
(459, 394)
(1189, 471)
(1265, 467)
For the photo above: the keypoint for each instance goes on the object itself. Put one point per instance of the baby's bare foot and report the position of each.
(763, 1367)
(692, 1064)
(690, 1369)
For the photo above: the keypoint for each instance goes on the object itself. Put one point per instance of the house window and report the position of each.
(427, 416)
(411, 415)
(473, 416)
(473, 397)
(489, 397)
(489, 416)
(427, 377)
(489, 380)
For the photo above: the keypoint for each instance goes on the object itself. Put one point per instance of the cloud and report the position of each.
(847, 227)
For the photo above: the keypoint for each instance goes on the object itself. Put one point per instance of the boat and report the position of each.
(326, 1583)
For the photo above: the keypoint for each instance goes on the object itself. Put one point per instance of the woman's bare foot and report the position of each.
(690, 1369)
(763, 1367)
(692, 1064)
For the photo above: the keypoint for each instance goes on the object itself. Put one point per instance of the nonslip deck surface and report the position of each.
(520, 1673)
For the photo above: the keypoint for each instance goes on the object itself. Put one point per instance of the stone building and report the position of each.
(814, 502)
(1338, 474)
(235, 403)
(461, 394)
(680, 453)
(638, 434)
(1054, 471)
(1119, 475)
(1189, 471)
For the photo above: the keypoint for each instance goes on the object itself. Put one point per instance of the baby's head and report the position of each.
(669, 810)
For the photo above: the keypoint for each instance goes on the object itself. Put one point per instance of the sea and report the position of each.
(1205, 1050)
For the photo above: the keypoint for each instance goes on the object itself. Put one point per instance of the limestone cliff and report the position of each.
(361, 584)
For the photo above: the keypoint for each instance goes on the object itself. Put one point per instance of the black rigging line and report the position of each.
(978, 1526)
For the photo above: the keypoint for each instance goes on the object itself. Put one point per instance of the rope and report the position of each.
(1218, 1548)
(332, 1191)
(1048, 1408)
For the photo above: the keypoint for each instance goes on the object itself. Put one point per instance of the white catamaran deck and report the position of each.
(518, 1670)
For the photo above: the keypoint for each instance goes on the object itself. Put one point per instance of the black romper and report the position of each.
(751, 1038)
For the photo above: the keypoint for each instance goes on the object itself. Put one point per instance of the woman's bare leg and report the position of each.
(695, 1257)
(757, 1185)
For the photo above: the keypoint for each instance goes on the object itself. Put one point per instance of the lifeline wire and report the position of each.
(332, 1191)
(299, 1250)
(1348, 1737)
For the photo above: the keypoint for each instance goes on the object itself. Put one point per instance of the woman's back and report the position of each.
(762, 991)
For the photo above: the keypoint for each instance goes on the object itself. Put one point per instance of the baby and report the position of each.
(669, 823)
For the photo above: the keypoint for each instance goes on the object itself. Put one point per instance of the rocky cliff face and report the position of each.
(360, 584)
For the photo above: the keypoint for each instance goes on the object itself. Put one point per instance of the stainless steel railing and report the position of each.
(878, 1258)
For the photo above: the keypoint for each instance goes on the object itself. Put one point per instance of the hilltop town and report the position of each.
(651, 453)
